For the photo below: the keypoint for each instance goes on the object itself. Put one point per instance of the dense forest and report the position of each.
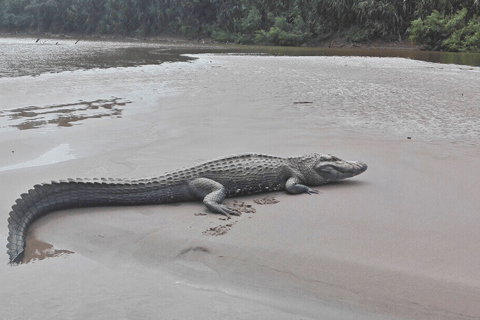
(437, 24)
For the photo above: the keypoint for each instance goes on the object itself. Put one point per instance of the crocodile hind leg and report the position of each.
(212, 194)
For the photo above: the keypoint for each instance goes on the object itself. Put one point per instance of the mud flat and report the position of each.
(397, 242)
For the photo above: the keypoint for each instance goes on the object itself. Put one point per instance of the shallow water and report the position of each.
(63, 115)
(31, 57)
(393, 98)
(325, 97)
(461, 58)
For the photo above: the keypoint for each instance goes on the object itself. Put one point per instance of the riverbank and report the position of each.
(331, 43)
(174, 48)
(397, 242)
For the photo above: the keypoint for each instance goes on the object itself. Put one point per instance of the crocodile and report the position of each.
(209, 181)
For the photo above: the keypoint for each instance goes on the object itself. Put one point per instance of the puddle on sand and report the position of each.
(61, 115)
(36, 250)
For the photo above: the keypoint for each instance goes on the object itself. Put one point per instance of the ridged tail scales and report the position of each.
(71, 193)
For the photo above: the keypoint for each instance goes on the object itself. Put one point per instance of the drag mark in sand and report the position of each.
(60, 115)
(266, 200)
(242, 207)
(220, 230)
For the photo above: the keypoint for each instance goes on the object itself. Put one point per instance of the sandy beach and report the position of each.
(399, 241)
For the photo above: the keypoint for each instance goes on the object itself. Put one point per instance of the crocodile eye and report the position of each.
(325, 158)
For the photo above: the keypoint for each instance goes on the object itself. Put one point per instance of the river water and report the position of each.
(32, 57)
(417, 100)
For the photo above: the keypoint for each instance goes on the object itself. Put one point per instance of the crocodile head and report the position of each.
(330, 168)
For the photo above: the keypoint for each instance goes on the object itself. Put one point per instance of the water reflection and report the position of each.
(470, 59)
(462, 58)
(62, 115)
(32, 57)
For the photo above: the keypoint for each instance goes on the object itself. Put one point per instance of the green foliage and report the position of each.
(451, 33)
(281, 22)
(243, 29)
(249, 24)
(355, 34)
(13, 15)
(424, 8)
(284, 33)
(429, 32)
(378, 19)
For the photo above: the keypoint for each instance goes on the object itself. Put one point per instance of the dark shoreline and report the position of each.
(177, 39)
(175, 47)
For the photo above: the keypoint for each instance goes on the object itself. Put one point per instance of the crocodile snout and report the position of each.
(362, 166)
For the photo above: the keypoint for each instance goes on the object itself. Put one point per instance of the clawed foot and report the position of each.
(310, 191)
(228, 211)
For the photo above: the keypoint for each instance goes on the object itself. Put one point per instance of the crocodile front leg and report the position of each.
(294, 186)
(212, 194)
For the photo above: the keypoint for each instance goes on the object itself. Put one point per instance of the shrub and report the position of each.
(463, 36)
(284, 33)
(377, 19)
(244, 29)
(356, 34)
(452, 33)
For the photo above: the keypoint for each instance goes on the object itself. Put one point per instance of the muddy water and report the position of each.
(31, 57)
(63, 115)
(394, 107)
(468, 59)
(390, 97)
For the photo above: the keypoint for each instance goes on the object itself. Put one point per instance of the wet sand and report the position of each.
(397, 242)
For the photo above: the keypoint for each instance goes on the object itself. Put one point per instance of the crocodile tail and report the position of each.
(31, 205)
(48, 197)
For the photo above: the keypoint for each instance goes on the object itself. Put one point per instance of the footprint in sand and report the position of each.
(266, 200)
(242, 207)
